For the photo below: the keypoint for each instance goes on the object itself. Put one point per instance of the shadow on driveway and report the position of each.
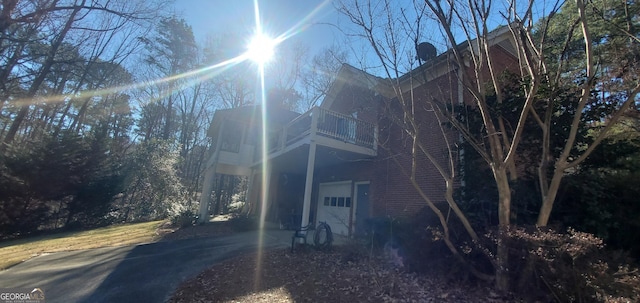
(142, 273)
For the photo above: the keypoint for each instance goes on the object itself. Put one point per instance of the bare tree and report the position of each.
(320, 73)
(36, 38)
(233, 86)
(171, 52)
(393, 41)
(480, 71)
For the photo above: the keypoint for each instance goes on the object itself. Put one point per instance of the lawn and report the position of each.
(15, 251)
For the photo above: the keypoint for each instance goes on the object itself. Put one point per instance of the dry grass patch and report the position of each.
(16, 251)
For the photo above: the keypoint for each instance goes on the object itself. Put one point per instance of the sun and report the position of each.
(261, 48)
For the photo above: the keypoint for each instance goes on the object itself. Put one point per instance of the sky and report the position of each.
(314, 24)
(307, 21)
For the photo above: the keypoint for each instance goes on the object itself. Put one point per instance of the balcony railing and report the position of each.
(322, 122)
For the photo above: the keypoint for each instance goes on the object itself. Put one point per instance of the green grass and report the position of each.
(16, 251)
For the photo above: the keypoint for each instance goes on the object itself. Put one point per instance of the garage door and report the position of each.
(334, 206)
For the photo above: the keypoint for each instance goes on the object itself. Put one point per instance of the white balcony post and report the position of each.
(375, 138)
(283, 140)
(265, 202)
(207, 188)
(313, 129)
(308, 186)
(246, 209)
(311, 162)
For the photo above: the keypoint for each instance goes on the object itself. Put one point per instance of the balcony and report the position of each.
(325, 128)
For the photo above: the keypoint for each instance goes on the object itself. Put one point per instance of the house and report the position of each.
(348, 159)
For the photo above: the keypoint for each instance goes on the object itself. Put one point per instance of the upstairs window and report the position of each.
(232, 136)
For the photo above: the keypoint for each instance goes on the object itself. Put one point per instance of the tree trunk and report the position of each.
(216, 208)
(6, 72)
(37, 82)
(549, 199)
(79, 120)
(504, 215)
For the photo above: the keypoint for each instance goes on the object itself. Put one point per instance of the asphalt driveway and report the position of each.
(141, 273)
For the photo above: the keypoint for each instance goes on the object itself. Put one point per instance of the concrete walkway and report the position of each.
(141, 273)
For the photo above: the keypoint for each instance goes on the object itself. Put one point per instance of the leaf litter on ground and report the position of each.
(319, 276)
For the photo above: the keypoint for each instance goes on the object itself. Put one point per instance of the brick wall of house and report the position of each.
(502, 60)
(394, 195)
(355, 98)
(397, 197)
(391, 192)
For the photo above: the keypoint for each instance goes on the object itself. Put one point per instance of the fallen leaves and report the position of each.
(312, 276)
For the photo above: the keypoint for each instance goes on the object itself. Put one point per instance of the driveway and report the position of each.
(141, 273)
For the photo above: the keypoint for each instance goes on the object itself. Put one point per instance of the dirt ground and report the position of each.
(317, 276)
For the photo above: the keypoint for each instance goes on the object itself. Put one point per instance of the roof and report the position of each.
(351, 76)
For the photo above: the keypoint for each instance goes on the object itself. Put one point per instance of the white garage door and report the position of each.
(334, 206)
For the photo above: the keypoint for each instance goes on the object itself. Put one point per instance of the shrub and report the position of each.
(244, 223)
(570, 267)
(183, 219)
(412, 240)
(236, 206)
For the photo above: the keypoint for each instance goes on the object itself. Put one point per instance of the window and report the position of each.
(232, 136)
(337, 201)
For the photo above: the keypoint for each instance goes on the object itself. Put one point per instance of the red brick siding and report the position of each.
(398, 197)
(391, 192)
(357, 99)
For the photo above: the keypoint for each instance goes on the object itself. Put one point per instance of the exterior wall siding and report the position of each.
(398, 197)
(391, 194)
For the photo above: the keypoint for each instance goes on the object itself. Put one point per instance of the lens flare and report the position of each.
(261, 49)
(265, 166)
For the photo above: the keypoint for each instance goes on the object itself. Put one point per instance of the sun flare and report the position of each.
(261, 48)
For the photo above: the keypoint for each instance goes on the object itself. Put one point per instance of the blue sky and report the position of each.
(307, 19)
(311, 23)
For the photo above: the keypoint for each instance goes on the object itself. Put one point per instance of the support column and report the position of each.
(207, 188)
(246, 209)
(266, 183)
(308, 186)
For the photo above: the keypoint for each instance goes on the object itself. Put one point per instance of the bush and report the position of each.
(236, 206)
(413, 240)
(570, 267)
(183, 219)
(244, 223)
(544, 265)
